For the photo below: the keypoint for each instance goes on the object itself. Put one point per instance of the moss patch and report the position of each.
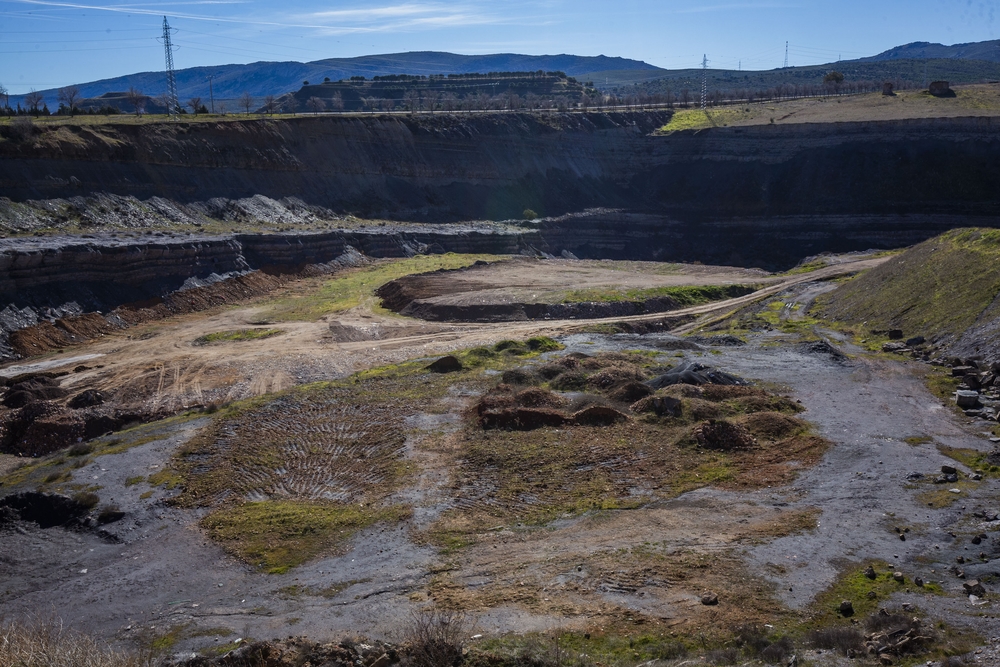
(277, 535)
(356, 287)
(937, 289)
(236, 335)
(683, 296)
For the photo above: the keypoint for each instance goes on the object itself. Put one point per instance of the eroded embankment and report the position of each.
(494, 166)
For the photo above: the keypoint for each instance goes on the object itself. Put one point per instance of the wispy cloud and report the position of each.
(410, 16)
(735, 6)
(404, 17)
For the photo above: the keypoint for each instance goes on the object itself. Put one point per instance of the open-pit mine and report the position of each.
(503, 389)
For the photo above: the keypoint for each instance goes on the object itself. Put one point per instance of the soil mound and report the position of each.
(723, 435)
(598, 415)
(630, 392)
(522, 419)
(539, 398)
(446, 364)
(772, 425)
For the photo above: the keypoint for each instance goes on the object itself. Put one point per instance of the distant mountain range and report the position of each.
(264, 78)
(267, 78)
(925, 50)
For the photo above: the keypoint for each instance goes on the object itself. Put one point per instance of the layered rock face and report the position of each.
(493, 166)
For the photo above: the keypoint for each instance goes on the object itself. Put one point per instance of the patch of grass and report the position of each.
(165, 641)
(854, 586)
(940, 383)
(918, 440)
(277, 535)
(132, 481)
(167, 478)
(698, 119)
(938, 288)
(145, 495)
(971, 458)
(237, 335)
(682, 296)
(357, 286)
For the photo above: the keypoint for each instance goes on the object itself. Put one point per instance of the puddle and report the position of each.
(14, 371)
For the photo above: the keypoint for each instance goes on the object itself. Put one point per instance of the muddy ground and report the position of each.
(154, 573)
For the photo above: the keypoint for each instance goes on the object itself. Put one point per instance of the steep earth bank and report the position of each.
(493, 166)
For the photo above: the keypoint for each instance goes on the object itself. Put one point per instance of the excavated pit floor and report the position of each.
(155, 570)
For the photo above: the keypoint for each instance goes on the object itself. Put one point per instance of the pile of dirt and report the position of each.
(724, 435)
(31, 390)
(64, 332)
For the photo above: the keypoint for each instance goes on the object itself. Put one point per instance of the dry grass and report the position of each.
(531, 477)
(47, 643)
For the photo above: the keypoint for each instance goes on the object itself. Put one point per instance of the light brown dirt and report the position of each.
(525, 280)
(159, 367)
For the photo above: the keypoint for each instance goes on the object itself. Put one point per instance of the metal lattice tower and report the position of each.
(786, 54)
(704, 82)
(168, 48)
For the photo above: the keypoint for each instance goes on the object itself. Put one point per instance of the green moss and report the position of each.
(237, 335)
(167, 478)
(918, 440)
(973, 459)
(132, 481)
(854, 586)
(277, 535)
(356, 287)
(145, 495)
(683, 296)
(938, 288)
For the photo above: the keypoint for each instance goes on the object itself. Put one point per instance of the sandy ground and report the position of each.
(161, 367)
(524, 280)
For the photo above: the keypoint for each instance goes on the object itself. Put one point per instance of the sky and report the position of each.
(52, 43)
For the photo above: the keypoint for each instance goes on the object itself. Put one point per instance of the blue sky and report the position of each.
(49, 43)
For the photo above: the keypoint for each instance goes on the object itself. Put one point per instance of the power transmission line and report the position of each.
(704, 82)
(172, 105)
(786, 55)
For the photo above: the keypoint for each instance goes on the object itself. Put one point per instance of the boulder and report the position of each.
(87, 399)
(846, 608)
(940, 89)
(446, 364)
(973, 587)
(916, 340)
(870, 572)
(962, 371)
(972, 381)
(966, 398)
(949, 470)
(710, 599)
(895, 334)
(894, 347)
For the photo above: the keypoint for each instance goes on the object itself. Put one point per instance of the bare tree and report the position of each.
(337, 102)
(291, 105)
(137, 100)
(316, 104)
(34, 100)
(371, 103)
(164, 100)
(412, 100)
(195, 104)
(685, 97)
(5, 96)
(70, 96)
(246, 101)
(270, 104)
